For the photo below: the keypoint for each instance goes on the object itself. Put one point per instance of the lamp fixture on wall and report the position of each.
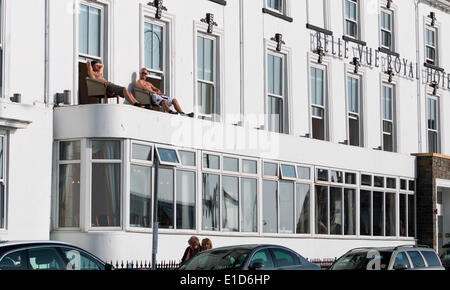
(279, 40)
(209, 19)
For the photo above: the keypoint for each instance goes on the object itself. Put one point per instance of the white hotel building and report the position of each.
(311, 121)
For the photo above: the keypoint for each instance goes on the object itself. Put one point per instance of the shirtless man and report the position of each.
(95, 71)
(157, 97)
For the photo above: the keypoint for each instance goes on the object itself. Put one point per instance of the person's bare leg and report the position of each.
(165, 106)
(177, 106)
(129, 97)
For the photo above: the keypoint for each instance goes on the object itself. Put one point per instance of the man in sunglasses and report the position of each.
(95, 71)
(157, 97)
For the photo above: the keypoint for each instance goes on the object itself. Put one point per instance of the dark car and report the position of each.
(407, 257)
(47, 255)
(445, 256)
(249, 257)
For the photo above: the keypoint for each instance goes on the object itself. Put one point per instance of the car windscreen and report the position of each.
(217, 260)
(361, 260)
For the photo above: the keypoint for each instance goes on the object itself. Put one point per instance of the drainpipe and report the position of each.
(419, 109)
(242, 68)
(47, 54)
(419, 103)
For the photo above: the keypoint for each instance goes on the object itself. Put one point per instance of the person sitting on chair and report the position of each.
(95, 71)
(157, 97)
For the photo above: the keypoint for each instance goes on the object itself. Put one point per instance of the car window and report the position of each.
(284, 258)
(402, 259)
(264, 257)
(416, 259)
(431, 258)
(363, 261)
(77, 260)
(45, 259)
(219, 259)
(14, 261)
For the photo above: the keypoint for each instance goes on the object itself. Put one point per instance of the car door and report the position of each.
(285, 259)
(263, 256)
(401, 260)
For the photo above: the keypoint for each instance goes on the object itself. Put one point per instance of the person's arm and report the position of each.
(90, 71)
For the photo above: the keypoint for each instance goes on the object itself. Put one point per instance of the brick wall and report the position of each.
(429, 168)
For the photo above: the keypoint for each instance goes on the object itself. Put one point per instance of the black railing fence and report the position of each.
(173, 265)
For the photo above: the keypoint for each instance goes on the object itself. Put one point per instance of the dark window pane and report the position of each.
(286, 207)
(336, 211)
(378, 181)
(416, 259)
(105, 149)
(378, 213)
(140, 196)
(350, 178)
(403, 216)
(166, 198)
(106, 188)
(211, 202)
(321, 174)
(349, 211)
(411, 216)
(168, 155)
(366, 180)
(303, 205)
(270, 214)
(336, 176)
(142, 152)
(390, 229)
(230, 201)
(69, 196)
(186, 200)
(249, 221)
(70, 150)
(321, 209)
(366, 213)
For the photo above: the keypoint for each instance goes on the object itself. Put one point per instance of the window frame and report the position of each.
(282, 9)
(60, 162)
(325, 107)
(90, 162)
(433, 46)
(406, 193)
(356, 21)
(4, 179)
(391, 32)
(2, 47)
(147, 15)
(143, 163)
(436, 131)
(359, 116)
(236, 174)
(100, 6)
(281, 97)
(394, 134)
(217, 71)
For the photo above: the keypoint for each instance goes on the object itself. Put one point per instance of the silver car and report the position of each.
(407, 257)
(249, 257)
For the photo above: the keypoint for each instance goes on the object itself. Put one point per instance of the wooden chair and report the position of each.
(98, 90)
(144, 98)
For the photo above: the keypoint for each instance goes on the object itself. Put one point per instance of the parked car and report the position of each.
(407, 257)
(249, 257)
(47, 255)
(445, 256)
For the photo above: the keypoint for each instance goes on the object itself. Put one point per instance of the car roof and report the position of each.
(390, 249)
(245, 247)
(6, 246)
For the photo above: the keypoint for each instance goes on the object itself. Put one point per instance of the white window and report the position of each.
(1, 46)
(106, 183)
(276, 89)
(69, 184)
(378, 206)
(407, 208)
(208, 98)
(277, 5)
(2, 180)
(155, 51)
(389, 135)
(354, 111)
(433, 124)
(90, 28)
(229, 194)
(319, 110)
(386, 29)
(352, 18)
(141, 186)
(431, 45)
